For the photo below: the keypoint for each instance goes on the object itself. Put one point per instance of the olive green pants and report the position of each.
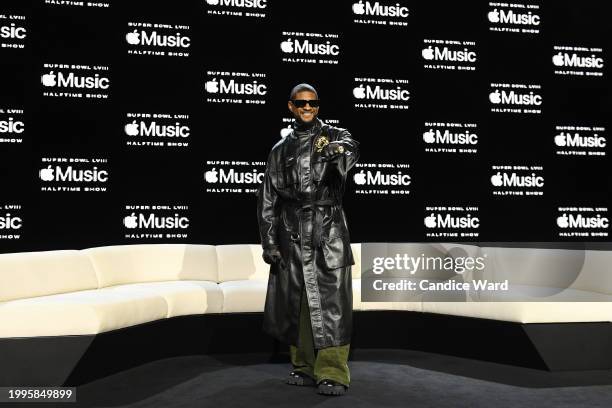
(327, 363)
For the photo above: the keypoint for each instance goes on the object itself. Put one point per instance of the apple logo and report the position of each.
(212, 2)
(560, 139)
(562, 221)
(430, 222)
(494, 16)
(359, 92)
(495, 97)
(358, 8)
(359, 178)
(558, 59)
(133, 38)
(429, 136)
(131, 129)
(212, 86)
(286, 131)
(48, 79)
(211, 176)
(130, 221)
(287, 45)
(46, 174)
(428, 53)
(496, 179)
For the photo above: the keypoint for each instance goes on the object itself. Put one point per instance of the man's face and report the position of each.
(307, 113)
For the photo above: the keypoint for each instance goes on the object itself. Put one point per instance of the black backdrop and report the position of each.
(66, 127)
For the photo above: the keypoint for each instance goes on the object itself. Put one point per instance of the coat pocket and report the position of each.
(337, 253)
(287, 173)
(319, 170)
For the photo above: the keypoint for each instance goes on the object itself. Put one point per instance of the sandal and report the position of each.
(331, 387)
(301, 379)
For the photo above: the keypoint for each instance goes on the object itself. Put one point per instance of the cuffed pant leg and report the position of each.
(332, 363)
(303, 356)
(327, 363)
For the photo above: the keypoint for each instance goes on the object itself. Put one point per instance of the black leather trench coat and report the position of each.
(300, 212)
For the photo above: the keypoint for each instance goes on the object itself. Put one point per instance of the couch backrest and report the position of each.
(356, 270)
(596, 272)
(121, 264)
(587, 270)
(241, 262)
(31, 274)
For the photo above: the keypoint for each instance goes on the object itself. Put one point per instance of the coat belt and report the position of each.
(311, 205)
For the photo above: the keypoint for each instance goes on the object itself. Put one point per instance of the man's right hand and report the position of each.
(272, 256)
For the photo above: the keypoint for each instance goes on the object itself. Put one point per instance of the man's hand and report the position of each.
(331, 151)
(273, 256)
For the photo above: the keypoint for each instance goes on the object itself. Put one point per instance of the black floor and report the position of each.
(380, 378)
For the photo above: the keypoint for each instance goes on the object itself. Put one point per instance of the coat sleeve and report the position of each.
(347, 160)
(268, 210)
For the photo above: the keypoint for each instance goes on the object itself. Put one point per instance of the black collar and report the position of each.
(314, 129)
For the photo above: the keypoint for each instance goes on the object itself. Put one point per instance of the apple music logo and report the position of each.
(13, 32)
(578, 61)
(517, 180)
(585, 141)
(233, 176)
(514, 18)
(451, 221)
(579, 221)
(71, 80)
(157, 130)
(370, 95)
(515, 98)
(377, 13)
(154, 129)
(237, 8)
(450, 137)
(382, 178)
(73, 174)
(11, 221)
(154, 220)
(12, 36)
(236, 87)
(576, 140)
(154, 39)
(12, 125)
(310, 48)
(286, 127)
(379, 178)
(449, 55)
(76, 81)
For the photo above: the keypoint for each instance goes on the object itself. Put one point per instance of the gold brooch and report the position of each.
(321, 142)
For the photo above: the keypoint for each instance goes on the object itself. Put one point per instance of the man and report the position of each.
(305, 238)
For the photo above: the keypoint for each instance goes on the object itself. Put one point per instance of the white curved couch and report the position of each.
(96, 290)
(70, 316)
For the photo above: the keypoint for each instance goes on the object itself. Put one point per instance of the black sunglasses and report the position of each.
(300, 103)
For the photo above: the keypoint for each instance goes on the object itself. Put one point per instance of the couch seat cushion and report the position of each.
(244, 295)
(77, 313)
(182, 297)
